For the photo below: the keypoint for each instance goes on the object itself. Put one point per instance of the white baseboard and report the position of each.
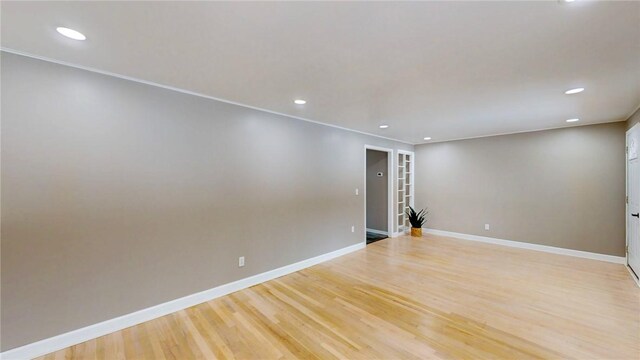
(74, 337)
(529, 246)
(380, 232)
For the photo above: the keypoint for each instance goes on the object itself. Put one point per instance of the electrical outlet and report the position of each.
(357, 191)
(241, 261)
(486, 226)
(353, 228)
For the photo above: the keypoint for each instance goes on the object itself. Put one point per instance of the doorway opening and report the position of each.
(378, 193)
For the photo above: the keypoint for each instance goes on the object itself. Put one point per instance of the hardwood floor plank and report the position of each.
(408, 298)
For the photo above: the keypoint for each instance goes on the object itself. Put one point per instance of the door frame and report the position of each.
(389, 189)
(626, 203)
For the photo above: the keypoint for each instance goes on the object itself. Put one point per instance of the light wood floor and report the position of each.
(405, 298)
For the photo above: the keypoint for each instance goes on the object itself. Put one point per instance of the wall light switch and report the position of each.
(353, 228)
(357, 191)
(241, 261)
(486, 226)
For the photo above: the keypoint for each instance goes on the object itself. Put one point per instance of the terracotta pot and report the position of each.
(417, 232)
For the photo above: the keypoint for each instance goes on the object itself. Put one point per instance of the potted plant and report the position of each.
(417, 219)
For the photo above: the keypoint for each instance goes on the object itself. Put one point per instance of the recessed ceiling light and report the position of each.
(574, 91)
(427, 138)
(569, 0)
(573, 120)
(71, 34)
(300, 101)
(383, 126)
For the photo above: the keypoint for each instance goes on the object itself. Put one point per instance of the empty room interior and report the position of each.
(320, 180)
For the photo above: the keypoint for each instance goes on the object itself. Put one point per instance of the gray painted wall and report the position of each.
(563, 188)
(377, 190)
(633, 119)
(117, 196)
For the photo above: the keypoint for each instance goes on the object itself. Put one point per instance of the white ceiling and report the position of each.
(447, 70)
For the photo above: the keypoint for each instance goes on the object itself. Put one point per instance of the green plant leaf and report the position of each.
(417, 219)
